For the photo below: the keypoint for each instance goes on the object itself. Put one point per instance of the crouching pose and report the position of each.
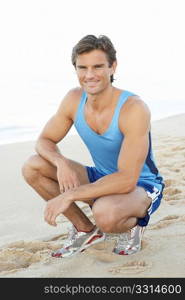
(124, 186)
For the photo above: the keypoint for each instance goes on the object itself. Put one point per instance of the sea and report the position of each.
(24, 114)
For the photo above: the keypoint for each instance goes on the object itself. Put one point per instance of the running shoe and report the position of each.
(78, 241)
(129, 242)
(72, 231)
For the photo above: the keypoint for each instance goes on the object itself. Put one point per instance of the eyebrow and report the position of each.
(97, 65)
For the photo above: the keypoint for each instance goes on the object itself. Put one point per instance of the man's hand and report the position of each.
(56, 206)
(67, 177)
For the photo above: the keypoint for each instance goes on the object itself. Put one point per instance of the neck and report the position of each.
(100, 101)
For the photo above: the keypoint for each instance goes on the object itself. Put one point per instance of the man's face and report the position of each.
(93, 71)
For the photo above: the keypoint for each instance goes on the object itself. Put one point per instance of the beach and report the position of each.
(26, 240)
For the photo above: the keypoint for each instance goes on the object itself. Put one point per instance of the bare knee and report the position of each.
(105, 218)
(30, 169)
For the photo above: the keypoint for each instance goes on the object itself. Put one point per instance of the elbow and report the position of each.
(38, 144)
(127, 187)
(131, 187)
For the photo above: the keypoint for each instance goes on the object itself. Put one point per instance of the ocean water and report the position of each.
(35, 57)
(25, 125)
(27, 104)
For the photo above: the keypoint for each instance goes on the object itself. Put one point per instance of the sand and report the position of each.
(26, 241)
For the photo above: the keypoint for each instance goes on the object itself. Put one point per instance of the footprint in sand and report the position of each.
(176, 170)
(176, 202)
(167, 154)
(166, 221)
(178, 198)
(171, 191)
(19, 255)
(132, 267)
(178, 148)
(169, 182)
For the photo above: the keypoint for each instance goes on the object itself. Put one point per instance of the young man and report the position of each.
(124, 187)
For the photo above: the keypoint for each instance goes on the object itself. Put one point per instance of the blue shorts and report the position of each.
(151, 190)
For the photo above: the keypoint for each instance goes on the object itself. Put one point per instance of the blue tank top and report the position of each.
(104, 148)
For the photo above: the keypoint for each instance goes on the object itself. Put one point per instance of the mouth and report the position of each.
(91, 83)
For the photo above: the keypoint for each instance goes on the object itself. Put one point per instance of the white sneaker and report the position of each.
(71, 236)
(79, 241)
(129, 242)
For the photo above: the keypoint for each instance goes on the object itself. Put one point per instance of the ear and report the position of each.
(113, 67)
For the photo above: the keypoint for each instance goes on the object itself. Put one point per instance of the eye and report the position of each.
(81, 67)
(99, 67)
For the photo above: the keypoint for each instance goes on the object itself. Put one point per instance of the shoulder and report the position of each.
(135, 113)
(135, 106)
(70, 101)
(73, 94)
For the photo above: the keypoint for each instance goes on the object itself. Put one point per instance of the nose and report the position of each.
(89, 74)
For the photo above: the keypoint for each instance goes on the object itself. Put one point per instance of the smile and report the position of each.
(91, 83)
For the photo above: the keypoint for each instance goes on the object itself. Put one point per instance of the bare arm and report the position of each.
(54, 131)
(135, 127)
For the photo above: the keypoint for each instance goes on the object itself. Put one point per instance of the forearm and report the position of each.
(115, 183)
(49, 150)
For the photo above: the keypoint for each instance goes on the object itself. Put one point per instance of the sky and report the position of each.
(37, 37)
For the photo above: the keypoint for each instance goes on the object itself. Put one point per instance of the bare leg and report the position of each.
(119, 213)
(41, 176)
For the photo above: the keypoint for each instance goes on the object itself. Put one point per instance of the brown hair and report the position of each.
(91, 42)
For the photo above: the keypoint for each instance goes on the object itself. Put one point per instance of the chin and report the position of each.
(93, 91)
